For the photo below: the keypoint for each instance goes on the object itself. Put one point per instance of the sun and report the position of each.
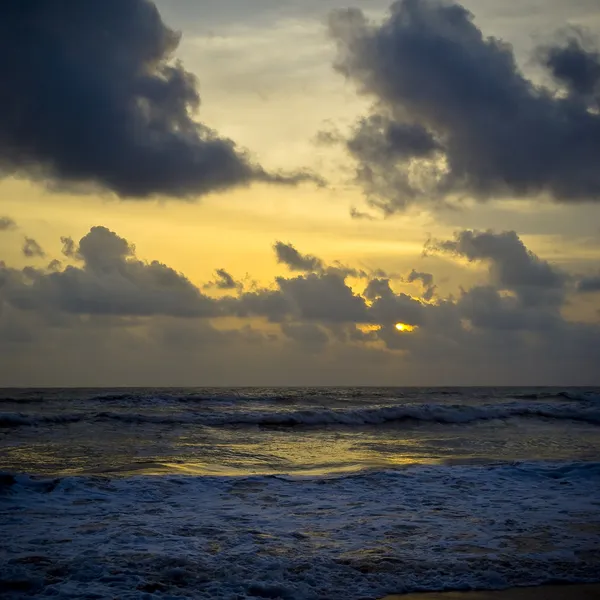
(404, 327)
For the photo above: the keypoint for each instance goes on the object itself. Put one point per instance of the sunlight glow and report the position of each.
(404, 328)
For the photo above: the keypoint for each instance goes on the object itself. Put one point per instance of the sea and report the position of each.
(296, 493)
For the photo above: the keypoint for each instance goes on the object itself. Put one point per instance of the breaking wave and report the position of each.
(428, 413)
(427, 528)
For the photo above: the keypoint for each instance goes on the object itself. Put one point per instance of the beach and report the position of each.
(557, 592)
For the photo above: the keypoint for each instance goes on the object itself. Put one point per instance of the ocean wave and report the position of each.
(8, 420)
(362, 536)
(383, 394)
(580, 396)
(21, 400)
(577, 396)
(166, 399)
(429, 413)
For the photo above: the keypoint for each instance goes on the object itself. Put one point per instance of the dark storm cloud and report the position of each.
(32, 249)
(389, 308)
(325, 297)
(111, 281)
(575, 64)
(454, 115)
(376, 288)
(294, 260)
(512, 265)
(7, 224)
(91, 96)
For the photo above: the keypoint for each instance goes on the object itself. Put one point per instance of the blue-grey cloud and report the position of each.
(512, 265)
(288, 255)
(575, 63)
(92, 97)
(453, 115)
(111, 281)
(325, 297)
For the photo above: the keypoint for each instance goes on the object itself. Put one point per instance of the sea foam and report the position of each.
(344, 537)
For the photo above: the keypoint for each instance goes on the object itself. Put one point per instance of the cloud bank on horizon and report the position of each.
(453, 116)
(516, 315)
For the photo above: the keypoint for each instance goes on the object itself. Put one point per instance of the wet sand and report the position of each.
(551, 592)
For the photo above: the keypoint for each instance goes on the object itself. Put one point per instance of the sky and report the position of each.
(299, 193)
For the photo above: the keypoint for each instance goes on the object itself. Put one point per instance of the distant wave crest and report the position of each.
(428, 413)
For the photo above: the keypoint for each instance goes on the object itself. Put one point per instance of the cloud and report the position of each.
(487, 309)
(376, 288)
(110, 308)
(267, 303)
(32, 249)
(294, 260)
(360, 215)
(325, 297)
(111, 281)
(308, 335)
(575, 63)
(224, 281)
(426, 279)
(589, 284)
(69, 246)
(453, 115)
(512, 266)
(288, 255)
(7, 224)
(54, 265)
(389, 308)
(93, 98)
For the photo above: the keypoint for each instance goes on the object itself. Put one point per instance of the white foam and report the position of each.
(361, 536)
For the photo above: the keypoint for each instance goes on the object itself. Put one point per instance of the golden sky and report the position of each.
(265, 78)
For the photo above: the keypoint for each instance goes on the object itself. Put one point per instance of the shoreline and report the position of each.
(584, 591)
